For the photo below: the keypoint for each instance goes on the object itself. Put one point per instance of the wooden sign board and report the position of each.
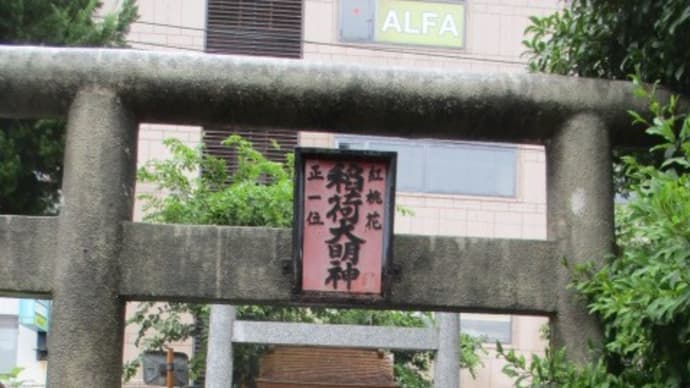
(343, 226)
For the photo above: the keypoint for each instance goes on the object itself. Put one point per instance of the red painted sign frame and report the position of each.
(361, 266)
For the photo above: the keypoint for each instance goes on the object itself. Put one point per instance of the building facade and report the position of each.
(451, 188)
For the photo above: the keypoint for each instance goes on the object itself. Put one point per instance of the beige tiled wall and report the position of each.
(151, 147)
(166, 25)
(493, 34)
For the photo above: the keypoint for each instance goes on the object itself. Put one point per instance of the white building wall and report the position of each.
(33, 371)
(9, 306)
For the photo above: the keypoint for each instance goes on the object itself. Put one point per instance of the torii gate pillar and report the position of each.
(580, 220)
(98, 189)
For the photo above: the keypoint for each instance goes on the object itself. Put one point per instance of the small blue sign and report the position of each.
(35, 314)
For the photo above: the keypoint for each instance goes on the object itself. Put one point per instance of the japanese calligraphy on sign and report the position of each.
(344, 201)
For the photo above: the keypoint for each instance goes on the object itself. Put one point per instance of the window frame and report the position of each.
(505, 319)
(428, 144)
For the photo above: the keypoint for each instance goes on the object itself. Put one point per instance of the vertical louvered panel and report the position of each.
(255, 27)
(263, 141)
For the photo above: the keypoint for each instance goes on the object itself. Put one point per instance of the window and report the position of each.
(41, 346)
(255, 27)
(444, 167)
(490, 328)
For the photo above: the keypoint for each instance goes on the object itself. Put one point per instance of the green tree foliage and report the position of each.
(553, 370)
(31, 151)
(643, 293)
(260, 194)
(470, 350)
(611, 39)
(11, 379)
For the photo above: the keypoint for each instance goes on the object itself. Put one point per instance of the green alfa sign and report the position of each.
(420, 23)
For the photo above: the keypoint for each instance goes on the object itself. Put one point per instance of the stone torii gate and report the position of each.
(91, 258)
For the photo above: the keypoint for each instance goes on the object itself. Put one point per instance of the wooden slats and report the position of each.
(263, 141)
(303, 366)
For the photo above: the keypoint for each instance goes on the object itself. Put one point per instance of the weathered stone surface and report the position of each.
(238, 265)
(213, 89)
(243, 266)
(27, 255)
(475, 274)
(87, 324)
(355, 336)
(580, 220)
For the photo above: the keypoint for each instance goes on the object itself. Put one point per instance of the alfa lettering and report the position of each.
(414, 24)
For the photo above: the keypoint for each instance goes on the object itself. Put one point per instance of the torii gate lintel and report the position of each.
(241, 265)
